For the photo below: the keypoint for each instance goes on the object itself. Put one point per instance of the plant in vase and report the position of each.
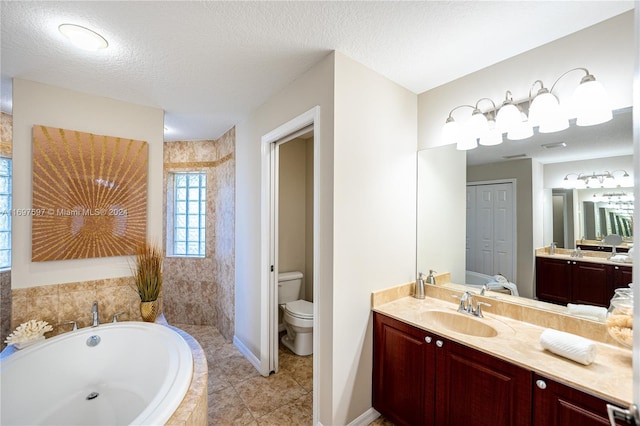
(147, 273)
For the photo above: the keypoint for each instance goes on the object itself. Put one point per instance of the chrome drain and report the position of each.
(93, 341)
(92, 395)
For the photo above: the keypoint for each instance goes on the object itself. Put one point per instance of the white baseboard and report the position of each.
(244, 350)
(365, 418)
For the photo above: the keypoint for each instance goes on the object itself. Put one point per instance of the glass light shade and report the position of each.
(625, 181)
(522, 130)
(82, 37)
(508, 117)
(467, 140)
(493, 136)
(451, 132)
(591, 104)
(545, 112)
(477, 124)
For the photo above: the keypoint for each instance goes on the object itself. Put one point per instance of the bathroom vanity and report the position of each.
(430, 370)
(590, 279)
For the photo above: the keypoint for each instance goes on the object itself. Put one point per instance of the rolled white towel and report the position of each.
(597, 313)
(569, 345)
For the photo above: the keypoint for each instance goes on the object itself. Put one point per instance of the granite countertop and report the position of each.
(608, 377)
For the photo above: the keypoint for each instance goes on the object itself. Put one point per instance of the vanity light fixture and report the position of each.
(589, 104)
(479, 128)
(603, 180)
(83, 37)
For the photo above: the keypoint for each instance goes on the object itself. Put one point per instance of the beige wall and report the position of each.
(201, 290)
(438, 242)
(605, 49)
(295, 211)
(35, 103)
(366, 223)
(314, 88)
(374, 218)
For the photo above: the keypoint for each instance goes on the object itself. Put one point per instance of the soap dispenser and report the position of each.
(419, 293)
(430, 278)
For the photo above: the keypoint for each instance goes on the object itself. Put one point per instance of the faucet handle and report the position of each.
(478, 311)
(115, 316)
(462, 299)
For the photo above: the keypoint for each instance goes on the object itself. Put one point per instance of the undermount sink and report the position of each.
(460, 323)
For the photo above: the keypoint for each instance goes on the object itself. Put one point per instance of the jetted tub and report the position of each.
(137, 374)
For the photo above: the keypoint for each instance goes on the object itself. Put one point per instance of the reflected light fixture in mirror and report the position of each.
(589, 104)
(598, 180)
(83, 37)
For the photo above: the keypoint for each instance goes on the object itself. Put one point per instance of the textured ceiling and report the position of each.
(210, 63)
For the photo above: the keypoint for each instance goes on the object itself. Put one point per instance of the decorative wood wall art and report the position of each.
(89, 195)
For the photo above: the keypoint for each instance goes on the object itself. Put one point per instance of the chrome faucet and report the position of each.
(94, 313)
(466, 305)
(484, 289)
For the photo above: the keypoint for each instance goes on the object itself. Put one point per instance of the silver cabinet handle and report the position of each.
(630, 415)
(428, 339)
(541, 384)
(439, 343)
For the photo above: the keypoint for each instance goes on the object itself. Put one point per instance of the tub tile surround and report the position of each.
(60, 303)
(201, 290)
(5, 306)
(193, 410)
(609, 376)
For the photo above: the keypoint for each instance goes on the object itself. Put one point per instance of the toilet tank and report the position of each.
(289, 286)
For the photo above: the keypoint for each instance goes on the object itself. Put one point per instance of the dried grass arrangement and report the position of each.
(147, 272)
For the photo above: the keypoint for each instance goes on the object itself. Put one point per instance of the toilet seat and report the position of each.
(302, 309)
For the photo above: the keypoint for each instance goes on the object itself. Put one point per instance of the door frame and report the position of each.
(269, 244)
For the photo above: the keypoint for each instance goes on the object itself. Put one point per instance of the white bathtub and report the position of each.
(139, 371)
(476, 279)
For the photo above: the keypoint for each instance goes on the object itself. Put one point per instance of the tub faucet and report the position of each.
(94, 313)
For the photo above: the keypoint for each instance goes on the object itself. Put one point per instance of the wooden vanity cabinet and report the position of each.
(555, 404)
(420, 378)
(591, 283)
(622, 276)
(553, 280)
(474, 388)
(565, 281)
(403, 381)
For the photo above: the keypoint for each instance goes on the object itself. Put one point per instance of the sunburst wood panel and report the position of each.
(89, 195)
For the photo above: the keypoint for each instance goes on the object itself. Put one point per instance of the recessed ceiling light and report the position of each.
(82, 37)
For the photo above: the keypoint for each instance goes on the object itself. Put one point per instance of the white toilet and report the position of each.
(297, 314)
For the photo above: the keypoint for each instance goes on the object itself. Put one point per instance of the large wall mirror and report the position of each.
(529, 173)
(603, 208)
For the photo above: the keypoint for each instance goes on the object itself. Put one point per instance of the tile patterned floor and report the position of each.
(238, 395)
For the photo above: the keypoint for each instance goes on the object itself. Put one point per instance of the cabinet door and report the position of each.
(403, 369)
(555, 404)
(473, 388)
(590, 283)
(622, 276)
(553, 280)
